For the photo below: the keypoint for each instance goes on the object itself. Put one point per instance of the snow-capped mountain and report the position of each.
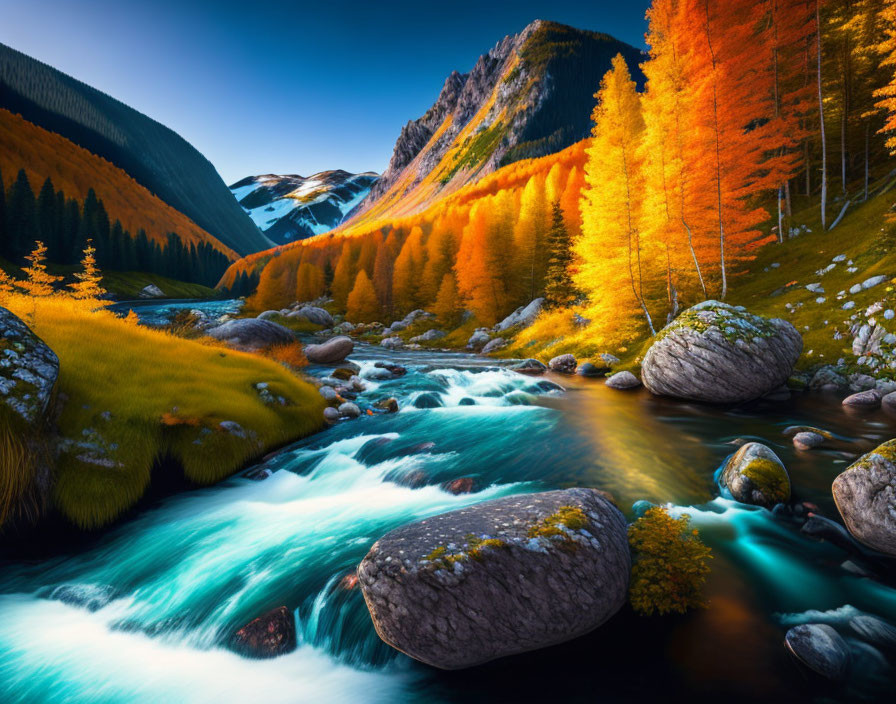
(291, 207)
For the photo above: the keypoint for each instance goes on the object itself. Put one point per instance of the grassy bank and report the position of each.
(128, 396)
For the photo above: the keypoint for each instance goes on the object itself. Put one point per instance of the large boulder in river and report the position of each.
(865, 495)
(28, 372)
(315, 315)
(563, 364)
(719, 353)
(252, 333)
(820, 648)
(332, 351)
(755, 475)
(498, 578)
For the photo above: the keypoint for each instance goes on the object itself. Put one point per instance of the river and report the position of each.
(144, 613)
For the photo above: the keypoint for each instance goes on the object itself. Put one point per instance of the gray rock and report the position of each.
(233, 428)
(864, 399)
(268, 314)
(252, 333)
(827, 378)
(609, 359)
(317, 316)
(820, 648)
(478, 339)
(889, 401)
(873, 281)
(717, 353)
(429, 336)
(865, 495)
(529, 366)
(484, 582)
(623, 380)
(349, 410)
(329, 393)
(755, 475)
(28, 370)
(494, 345)
(332, 351)
(589, 369)
(522, 317)
(331, 414)
(806, 440)
(151, 291)
(874, 630)
(392, 343)
(564, 364)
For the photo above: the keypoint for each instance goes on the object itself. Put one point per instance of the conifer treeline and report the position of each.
(749, 111)
(65, 226)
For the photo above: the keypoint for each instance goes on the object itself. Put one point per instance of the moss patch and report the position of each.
(769, 478)
(474, 548)
(571, 518)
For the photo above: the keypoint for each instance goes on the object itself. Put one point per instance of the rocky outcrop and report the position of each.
(719, 353)
(267, 636)
(755, 475)
(522, 317)
(865, 495)
(28, 372)
(499, 578)
(252, 333)
(332, 351)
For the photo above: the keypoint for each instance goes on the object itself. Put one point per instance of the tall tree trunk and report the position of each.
(824, 147)
(780, 215)
(715, 117)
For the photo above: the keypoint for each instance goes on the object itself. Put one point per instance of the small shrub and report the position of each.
(671, 564)
(289, 354)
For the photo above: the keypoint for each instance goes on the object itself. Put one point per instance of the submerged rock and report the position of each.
(755, 475)
(865, 495)
(333, 351)
(564, 364)
(532, 367)
(268, 636)
(390, 405)
(589, 369)
(719, 353)
(874, 630)
(820, 648)
(499, 578)
(623, 381)
(806, 440)
(864, 399)
(462, 485)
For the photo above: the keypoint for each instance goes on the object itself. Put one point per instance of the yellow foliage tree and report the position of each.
(612, 270)
(309, 282)
(887, 94)
(7, 286)
(447, 304)
(88, 285)
(363, 306)
(38, 282)
(406, 275)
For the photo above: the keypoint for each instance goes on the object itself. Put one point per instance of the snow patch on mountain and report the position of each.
(292, 207)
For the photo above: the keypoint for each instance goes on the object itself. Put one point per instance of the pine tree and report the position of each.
(447, 303)
(362, 306)
(406, 274)
(89, 280)
(38, 282)
(21, 216)
(559, 289)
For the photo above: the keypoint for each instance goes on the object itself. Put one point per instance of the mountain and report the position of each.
(291, 207)
(152, 154)
(531, 95)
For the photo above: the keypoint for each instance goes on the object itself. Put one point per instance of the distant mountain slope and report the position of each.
(151, 153)
(291, 207)
(531, 95)
(75, 170)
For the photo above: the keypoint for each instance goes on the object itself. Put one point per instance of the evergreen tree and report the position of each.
(88, 284)
(46, 219)
(559, 289)
(2, 214)
(21, 217)
(38, 282)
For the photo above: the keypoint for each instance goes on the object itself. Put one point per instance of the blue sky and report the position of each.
(284, 87)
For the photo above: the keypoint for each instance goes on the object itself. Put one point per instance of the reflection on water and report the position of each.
(145, 614)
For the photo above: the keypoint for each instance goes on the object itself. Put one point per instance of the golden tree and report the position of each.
(887, 94)
(362, 306)
(7, 286)
(88, 284)
(447, 304)
(39, 282)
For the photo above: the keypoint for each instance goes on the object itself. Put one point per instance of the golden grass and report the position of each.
(120, 389)
(18, 467)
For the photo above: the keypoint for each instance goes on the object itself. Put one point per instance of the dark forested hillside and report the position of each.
(155, 156)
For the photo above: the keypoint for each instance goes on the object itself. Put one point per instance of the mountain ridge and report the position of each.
(152, 154)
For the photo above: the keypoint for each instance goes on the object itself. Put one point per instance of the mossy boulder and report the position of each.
(755, 475)
(865, 495)
(718, 353)
(28, 372)
(499, 578)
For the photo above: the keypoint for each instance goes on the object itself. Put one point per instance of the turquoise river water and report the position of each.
(145, 612)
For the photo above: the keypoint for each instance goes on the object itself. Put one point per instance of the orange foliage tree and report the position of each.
(363, 306)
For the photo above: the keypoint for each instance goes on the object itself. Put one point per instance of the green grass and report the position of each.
(128, 395)
(128, 284)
